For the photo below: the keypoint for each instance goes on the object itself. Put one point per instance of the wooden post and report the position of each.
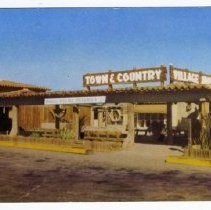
(135, 85)
(189, 133)
(169, 123)
(130, 123)
(13, 114)
(110, 87)
(163, 75)
(57, 119)
(171, 68)
(205, 108)
(76, 118)
(101, 120)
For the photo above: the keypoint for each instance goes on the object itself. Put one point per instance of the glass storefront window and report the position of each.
(144, 120)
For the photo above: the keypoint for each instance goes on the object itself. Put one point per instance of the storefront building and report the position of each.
(9, 112)
(158, 110)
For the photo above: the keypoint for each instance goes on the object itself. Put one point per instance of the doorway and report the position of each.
(5, 121)
(150, 127)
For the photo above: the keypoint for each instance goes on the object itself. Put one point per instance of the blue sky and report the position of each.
(55, 47)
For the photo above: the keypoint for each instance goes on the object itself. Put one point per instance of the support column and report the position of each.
(76, 120)
(169, 123)
(92, 117)
(57, 119)
(125, 116)
(205, 129)
(13, 114)
(205, 108)
(101, 120)
(130, 123)
(189, 133)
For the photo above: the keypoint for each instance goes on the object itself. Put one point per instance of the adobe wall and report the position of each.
(182, 110)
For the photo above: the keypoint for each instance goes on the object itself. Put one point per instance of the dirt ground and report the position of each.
(137, 174)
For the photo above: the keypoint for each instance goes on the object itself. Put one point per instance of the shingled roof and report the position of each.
(17, 85)
(152, 89)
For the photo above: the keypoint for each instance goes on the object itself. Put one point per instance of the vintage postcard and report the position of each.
(105, 104)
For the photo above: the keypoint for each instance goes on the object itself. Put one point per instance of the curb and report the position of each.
(188, 161)
(45, 147)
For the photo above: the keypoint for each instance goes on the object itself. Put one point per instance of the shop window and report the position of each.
(145, 120)
(141, 123)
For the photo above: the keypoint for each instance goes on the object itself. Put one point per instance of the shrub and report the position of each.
(66, 134)
(35, 134)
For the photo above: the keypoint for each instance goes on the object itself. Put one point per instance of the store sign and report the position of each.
(75, 100)
(124, 77)
(184, 75)
(205, 79)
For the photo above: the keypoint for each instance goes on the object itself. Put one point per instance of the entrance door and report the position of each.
(5, 121)
(150, 126)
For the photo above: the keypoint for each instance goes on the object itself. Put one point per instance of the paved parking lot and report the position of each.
(137, 174)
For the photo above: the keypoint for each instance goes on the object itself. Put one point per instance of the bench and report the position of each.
(48, 133)
(103, 134)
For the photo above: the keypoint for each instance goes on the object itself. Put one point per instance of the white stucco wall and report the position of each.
(179, 111)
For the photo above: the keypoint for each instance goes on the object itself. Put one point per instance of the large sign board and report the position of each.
(157, 74)
(75, 100)
(205, 79)
(185, 75)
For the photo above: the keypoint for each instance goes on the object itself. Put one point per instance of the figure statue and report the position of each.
(58, 114)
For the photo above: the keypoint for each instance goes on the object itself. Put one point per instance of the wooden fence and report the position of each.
(34, 117)
(197, 153)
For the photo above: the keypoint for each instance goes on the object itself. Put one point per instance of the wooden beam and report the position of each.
(189, 133)
(57, 119)
(169, 123)
(130, 112)
(157, 97)
(76, 119)
(22, 101)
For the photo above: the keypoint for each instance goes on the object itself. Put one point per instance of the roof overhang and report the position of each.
(159, 94)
